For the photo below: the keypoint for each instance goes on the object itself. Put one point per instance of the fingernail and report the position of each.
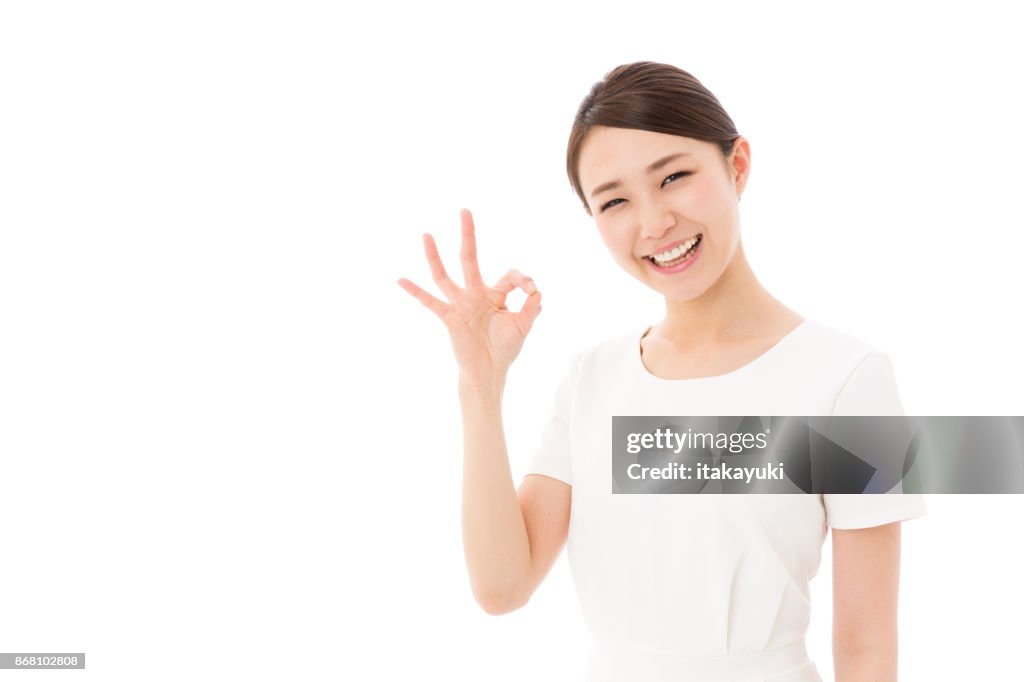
(530, 286)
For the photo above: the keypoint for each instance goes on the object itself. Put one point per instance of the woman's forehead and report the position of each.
(628, 151)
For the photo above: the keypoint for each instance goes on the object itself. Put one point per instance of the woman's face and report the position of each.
(659, 204)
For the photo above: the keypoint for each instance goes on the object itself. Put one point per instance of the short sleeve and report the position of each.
(871, 390)
(552, 455)
(844, 512)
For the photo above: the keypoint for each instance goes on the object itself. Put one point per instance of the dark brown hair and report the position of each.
(649, 96)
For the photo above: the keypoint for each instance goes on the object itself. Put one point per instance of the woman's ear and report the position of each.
(739, 164)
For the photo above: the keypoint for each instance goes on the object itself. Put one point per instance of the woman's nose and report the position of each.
(656, 220)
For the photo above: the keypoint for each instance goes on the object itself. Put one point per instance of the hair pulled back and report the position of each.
(660, 98)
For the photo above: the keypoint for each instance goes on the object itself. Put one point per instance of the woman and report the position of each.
(673, 587)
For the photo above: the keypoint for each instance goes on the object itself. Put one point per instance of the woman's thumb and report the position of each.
(529, 311)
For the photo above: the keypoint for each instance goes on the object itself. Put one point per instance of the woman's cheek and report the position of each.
(694, 201)
(614, 240)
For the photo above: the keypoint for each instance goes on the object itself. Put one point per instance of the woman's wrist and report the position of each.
(489, 387)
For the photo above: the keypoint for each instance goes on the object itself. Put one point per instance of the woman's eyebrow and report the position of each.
(650, 169)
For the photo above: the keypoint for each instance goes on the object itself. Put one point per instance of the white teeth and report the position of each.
(676, 252)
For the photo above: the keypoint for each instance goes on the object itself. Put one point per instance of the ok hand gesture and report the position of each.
(486, 336)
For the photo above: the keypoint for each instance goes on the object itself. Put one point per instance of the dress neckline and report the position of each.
(637, 353)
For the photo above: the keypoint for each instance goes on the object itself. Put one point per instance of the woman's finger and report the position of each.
(529, 313)
(437, 306)
(512, 279)
(509, 281)
(437, 271)
(470, 268)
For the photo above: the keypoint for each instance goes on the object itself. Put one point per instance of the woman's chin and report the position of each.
(679, 287)
(688, 294)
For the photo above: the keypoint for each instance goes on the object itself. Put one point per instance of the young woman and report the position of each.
(673, 587)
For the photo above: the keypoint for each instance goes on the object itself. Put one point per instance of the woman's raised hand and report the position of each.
(486, 336)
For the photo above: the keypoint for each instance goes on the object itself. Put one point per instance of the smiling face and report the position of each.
(649, 192)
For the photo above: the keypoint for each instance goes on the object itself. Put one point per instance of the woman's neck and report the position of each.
(735, 308)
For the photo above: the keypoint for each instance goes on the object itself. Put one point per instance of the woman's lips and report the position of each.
(669, 247)
(678, 267)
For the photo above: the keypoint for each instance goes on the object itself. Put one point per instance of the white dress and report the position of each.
(707, 587)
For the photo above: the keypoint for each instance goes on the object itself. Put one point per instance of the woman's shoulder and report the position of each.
(827, 344)
(612, 350)
(614, 346)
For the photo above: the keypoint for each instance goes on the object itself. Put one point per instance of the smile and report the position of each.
(670, 260)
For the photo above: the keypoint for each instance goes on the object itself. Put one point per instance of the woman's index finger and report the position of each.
(470, 268)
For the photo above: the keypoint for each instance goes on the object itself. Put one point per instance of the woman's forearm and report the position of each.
(865, 662)
(865, 583)
(496, 544)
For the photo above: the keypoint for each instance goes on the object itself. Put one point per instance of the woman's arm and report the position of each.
(865, 586)
(511, 538)
(495, 538)
(486, 337)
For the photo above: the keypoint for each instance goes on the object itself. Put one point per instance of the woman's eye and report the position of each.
(680, 174)
(671, 177)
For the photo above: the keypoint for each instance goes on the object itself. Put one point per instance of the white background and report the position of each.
(230, 443)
